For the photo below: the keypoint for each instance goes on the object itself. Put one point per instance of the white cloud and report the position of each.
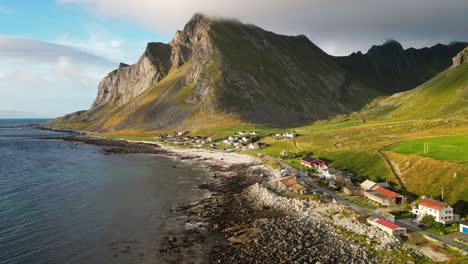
(347, 25)
(47, 78)
(23, 76)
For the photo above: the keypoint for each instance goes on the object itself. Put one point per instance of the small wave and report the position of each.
(203, 226)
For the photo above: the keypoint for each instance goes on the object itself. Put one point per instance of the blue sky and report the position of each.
(45, 86)
(53, 53)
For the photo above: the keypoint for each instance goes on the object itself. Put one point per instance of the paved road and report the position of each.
(329, 195)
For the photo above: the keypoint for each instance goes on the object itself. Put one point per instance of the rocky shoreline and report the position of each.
(243, 222)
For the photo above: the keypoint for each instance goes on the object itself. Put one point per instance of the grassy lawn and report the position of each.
(454, 148)
(355, 146)
(402, 214)
(362, 202)
(443, 230)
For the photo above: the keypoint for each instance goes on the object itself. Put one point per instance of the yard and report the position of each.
(453, 149)
(402, 214)
(438, 231)
(362, 202)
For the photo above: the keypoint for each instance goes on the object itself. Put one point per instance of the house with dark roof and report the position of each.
(352, 190)
(316, 164)
(313, 163)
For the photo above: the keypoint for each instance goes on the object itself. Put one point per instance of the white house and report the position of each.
(441, 212)
(289, 135)
(254, 146)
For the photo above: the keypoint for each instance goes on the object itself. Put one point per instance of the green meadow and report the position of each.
(452, 148)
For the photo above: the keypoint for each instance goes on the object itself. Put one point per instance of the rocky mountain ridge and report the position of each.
(389, 68)
(215, 68)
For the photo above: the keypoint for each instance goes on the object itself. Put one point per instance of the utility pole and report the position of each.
(442, 193)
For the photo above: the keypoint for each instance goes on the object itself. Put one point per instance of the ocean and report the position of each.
(64, 202)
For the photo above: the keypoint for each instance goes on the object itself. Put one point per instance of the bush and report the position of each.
(430, 221)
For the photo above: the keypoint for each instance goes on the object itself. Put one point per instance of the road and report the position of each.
(329, 195)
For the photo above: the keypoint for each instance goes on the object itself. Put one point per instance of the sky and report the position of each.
(53, 53)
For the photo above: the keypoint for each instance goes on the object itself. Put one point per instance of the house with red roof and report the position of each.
(441, 211)
(387, 226)
(384, 196)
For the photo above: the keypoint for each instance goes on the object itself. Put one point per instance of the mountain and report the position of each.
(217, 69)
(445, 95)
(390, 69)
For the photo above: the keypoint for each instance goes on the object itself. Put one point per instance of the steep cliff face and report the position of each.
(128, 81)
(461, 58)
(389, 68)
(216, 68)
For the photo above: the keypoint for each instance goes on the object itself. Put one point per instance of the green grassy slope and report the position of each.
(446, 95)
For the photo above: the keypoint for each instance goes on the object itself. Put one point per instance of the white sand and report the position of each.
(215, 155)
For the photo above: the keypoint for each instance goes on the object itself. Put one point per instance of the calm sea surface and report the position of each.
(67, 203)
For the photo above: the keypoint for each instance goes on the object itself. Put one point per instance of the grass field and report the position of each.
(356, 146)
(453, 149)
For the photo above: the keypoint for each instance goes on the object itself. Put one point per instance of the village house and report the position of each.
(239, 145)
(352, 190)
(289, 184)
(316, 164)
(387, 226)
(289, 135)
(441, 211)
(313, 163)
(343, 180)
(375, 192)
(254, 145)
(384, 196)
(368, 185)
